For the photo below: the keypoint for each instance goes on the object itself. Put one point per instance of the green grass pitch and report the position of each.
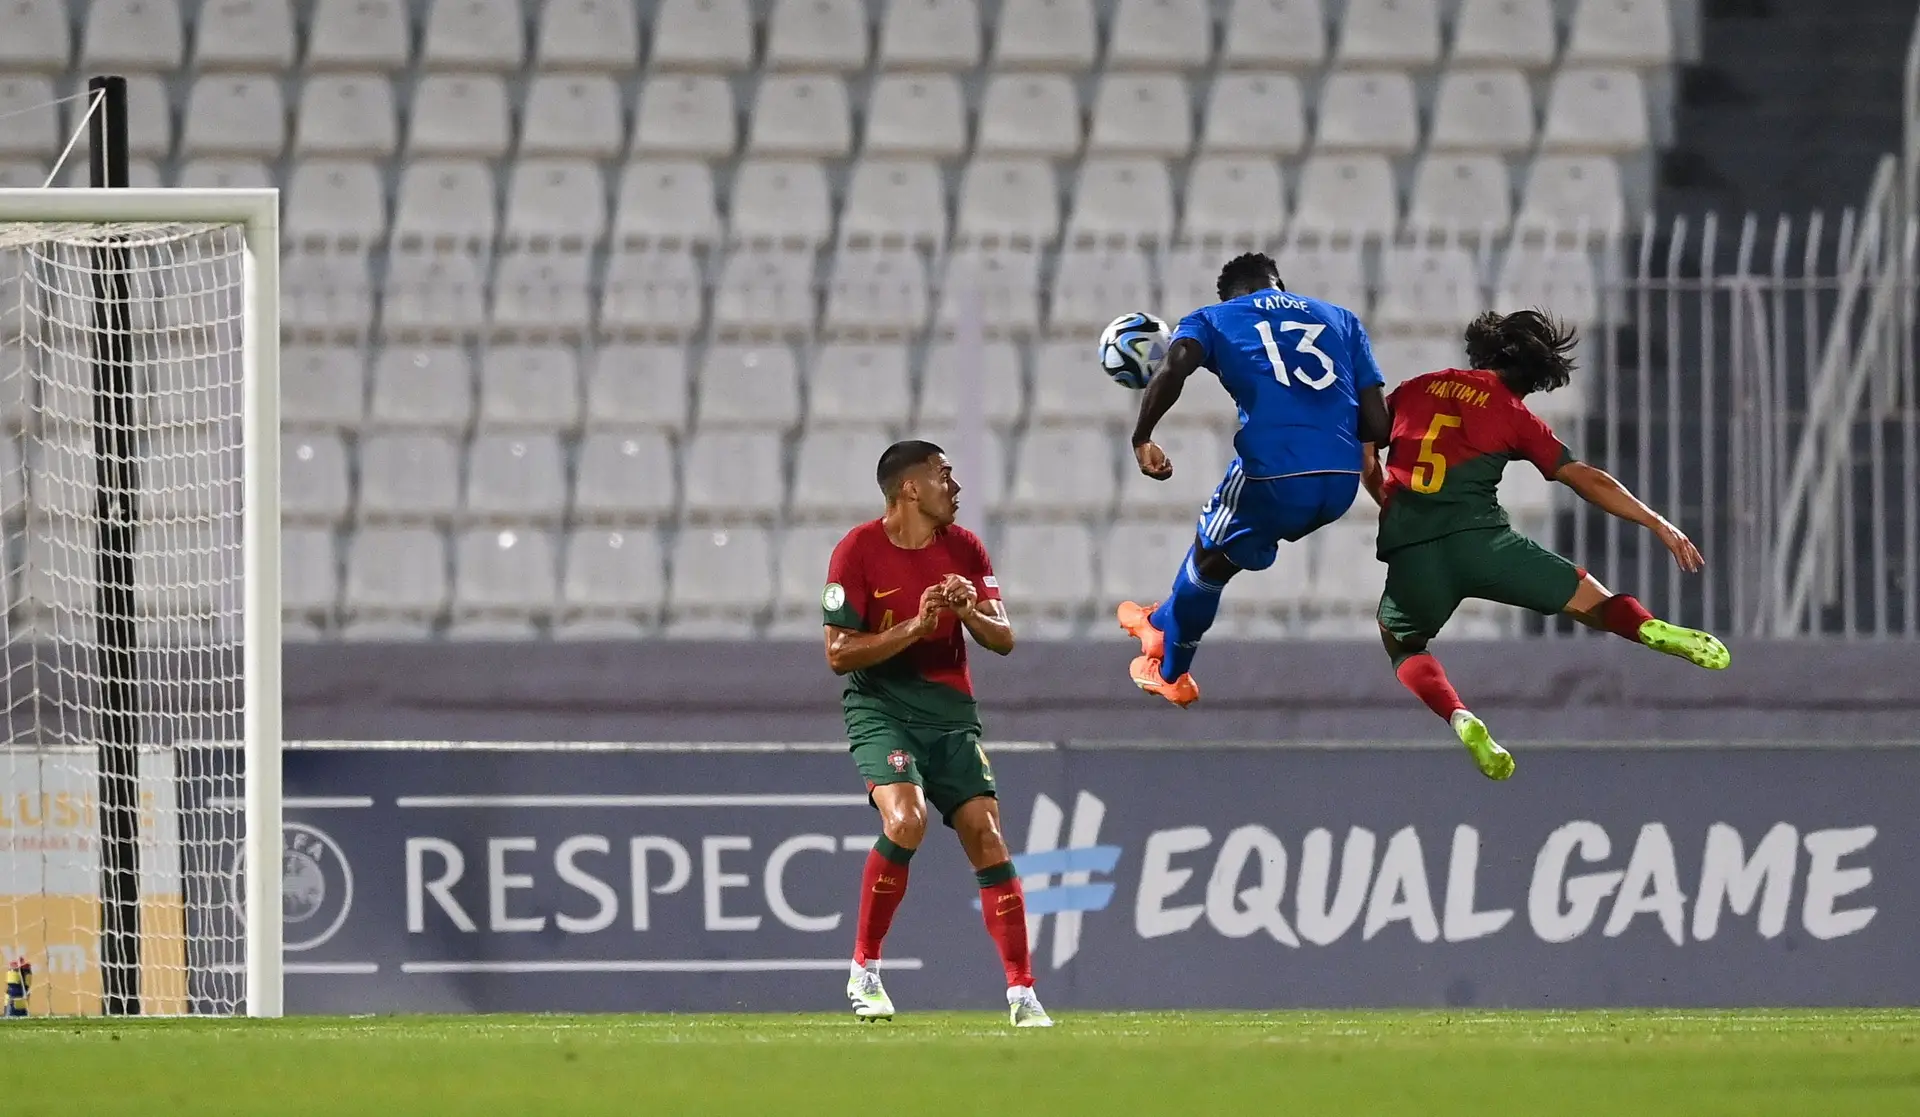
(1430, 1064)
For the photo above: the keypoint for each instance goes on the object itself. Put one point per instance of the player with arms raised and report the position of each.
(1444, 536)
(1303, 377)
(903, 594)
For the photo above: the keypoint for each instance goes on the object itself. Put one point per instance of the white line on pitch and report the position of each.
(331, 967)
(769, 800)
(657, 965)
(298, 802)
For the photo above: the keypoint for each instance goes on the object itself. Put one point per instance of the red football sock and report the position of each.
(1623, 616)
(1423, 675)
(882, 885)
(1003, 906)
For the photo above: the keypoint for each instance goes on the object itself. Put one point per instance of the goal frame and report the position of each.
(257, 213)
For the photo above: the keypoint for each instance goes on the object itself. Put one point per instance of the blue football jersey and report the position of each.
(1295, 367)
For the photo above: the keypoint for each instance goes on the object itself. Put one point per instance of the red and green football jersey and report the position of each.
(872, 585)
(1454, 431)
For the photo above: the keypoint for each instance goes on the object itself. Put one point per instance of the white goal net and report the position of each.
(123, 798)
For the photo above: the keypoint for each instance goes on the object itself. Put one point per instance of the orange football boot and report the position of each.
(1138, 621)
(1182, 692)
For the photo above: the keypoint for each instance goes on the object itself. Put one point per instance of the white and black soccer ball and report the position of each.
(1132, 347)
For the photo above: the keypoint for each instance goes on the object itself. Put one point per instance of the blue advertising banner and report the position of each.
(609, 878)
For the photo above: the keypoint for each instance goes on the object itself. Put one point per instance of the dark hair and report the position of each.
(1528, 348)
(1245, 273)
(898, 459)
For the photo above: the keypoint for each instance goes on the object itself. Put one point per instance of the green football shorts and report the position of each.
(948, 764)
(1427, 581)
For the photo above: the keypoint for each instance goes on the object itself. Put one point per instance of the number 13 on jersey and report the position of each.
(1310, 331)
(1430, 470)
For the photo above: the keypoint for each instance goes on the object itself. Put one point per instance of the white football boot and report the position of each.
(867, 996)
(1023, 1008)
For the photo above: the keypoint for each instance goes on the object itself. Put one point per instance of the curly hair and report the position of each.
(1246, 273)
(1528, 348)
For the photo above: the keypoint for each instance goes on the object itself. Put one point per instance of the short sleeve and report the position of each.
(1535, 441)
(843, 602)
(1196, 327)
(973, 554)
(1366, 370)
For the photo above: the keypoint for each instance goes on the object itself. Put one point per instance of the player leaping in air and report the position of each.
(1302, 375)
(903, 594)
(1444, 536)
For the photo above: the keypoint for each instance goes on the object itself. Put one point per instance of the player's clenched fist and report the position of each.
(932, 600)
(961, 595)
(1153, 460)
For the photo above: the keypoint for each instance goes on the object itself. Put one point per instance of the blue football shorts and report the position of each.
(1247, 518)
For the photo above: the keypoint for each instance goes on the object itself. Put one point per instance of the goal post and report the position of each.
(196, 348)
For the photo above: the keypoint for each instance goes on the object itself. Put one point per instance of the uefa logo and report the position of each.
(316, 886)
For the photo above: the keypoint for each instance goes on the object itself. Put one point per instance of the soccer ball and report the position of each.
(1131, 347)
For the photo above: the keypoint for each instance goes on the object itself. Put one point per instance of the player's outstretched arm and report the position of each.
(851, 650)
(985, 621)
(1599, 488)
(1182, 360)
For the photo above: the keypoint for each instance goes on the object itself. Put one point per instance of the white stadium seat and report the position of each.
(992, 379)
(1464, 193)
(1001, 286)
(225, 174)
(894, 201)
(1046, 569)
(826, 35)
(1029, 114)
(1368, 111)
(703, 35)
(542, 294)
(20, 175)
(555, 203)
(858, 384)
(833, 474)
(37, 39)
(518, 478)
(1199, 457)
(1161, 34)
(309, 573)
(685, 114)
(638, 387)
(1063, 392)
(235, 114)
(322, 386)
(335, 202)
(364, 35)
(326, 294)
(749, 386)
(410, 476)
(1596, 111)
(916, 114)
(474, 35)
(572, 114)
(1063, 472)
(313, 479)
(876, 290)
(1346, 576)
(1144, 114)
(1122, 199)
(435, 295)
(780, 201)
(726, 572)
(1573, 193)
(1561, 279)
(386, 630)
(801, 115)
(422, 386)
(243, 35)
(981, 468)
(930, 35)
(1008, 200)
(459, 114)
(396, 570)
(733, 475)
(587, 35)
(1045, 35)
(1621, 32)
(444, 201)
(346, 114)
(1428, 290)
(1405, 356)
(140, 35)
(1236, 199)
(1290, 33)
(1187, 275)
(668, 202)
(490, 628)
(651, 292)
(802, 570)
(1089, 282)
(529, 387)
(1333, 272)
(1483, 110)
(1350, 194)
(1390, 32)
(623, 478)
(1256, 113)
(765, 291)
(1504, 33)
(1138, 561)
(613, 572)
(29, 120)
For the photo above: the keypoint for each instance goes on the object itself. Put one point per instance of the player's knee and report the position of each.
(905, 824)
(1214, 566)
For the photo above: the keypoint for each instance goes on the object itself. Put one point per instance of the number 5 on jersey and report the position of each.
(1310, 331)
(1430, 471)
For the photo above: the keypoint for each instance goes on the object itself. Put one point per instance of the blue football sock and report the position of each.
(1185, 616)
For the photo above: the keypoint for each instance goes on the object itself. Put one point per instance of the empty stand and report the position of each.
(243, 35)
(916, 114)
(587, 35)
(702, 35)
(474, 35)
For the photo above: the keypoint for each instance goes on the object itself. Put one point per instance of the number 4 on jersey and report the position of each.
(1309, 331)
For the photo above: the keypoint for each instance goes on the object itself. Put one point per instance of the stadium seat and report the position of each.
(1199, 457)
(346, 114)
(226, 174)
(733, 475)
(335, 202)
(1138, 561)
(555, 203)
(572, 114)
(365, 35)
(387, 630)
(539, 294)
(1504, 33)
(623, 478)
(1068, 391)
(1573, 193)
(396, 570)
(503, 570)
(600, 629)
(517, 478)
(685, 114)
(1367, 111)
(309, 574)
(326, 295)
(916, 114)
(802, 574)
(422, 386)
(725, 573)
(1469, 194)
(459, 114)
(1233, 199)
(149, 125)
(1045, 35)
(1088, 284)
(1346, 576)
(894, 201)
(858, 384)
(1390, 33)
(651, 293)
(444, 202)
(1046, 569)
(1332, 272)
(1160, 35)
(1403, 357)
(780, 201)
(241, 35)
(140, 35)
(765, 291)
(580, 35)
(1428, 290)
(993, 378)
(1029, 114)
(15, 174)
(1187, 277)
(29, 119)
(1346, 194)
(530, 387)
(1120, 200)
(1063, 472)
(235, 114)
(1286, 33)
(748, 386)
(474, 35)
(1562, 279)
(322, 386)
(410, 476)
(981, 469)
(612, 573)
(1008, 200)
(1483, 110)
(488, 628)
(1001, 286)
(313, 479)
(1621, 33)
(829, 35)
(1526, 494)
(37, 39)
(666, 202)
(1141, 114)
(702, 35)
(1256, 113)
(1596, 112)
(930, 35)
(833, 474)
(801, 115)
(876, 291)
(638, 387)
